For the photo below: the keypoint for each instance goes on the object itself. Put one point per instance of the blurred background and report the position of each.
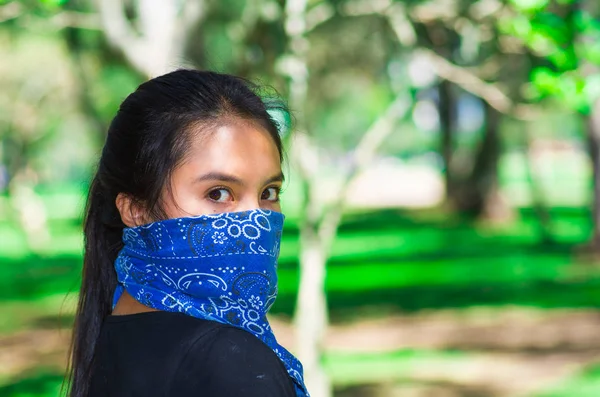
(443, 167)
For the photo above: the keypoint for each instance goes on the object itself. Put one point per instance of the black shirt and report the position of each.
(171, 354)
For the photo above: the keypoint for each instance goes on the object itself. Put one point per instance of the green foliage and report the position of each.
(530, 5)
(568, 88)
(568, 40)
(53, 3)
(111, 87)
(389, 260)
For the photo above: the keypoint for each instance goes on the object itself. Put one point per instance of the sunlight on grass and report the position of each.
(382, 263)
(42, 384)
(583, 384)
(53, 310)
(348, 369)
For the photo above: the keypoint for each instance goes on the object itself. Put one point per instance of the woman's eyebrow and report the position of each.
(221, 177)
(218, 176)
(277, 178)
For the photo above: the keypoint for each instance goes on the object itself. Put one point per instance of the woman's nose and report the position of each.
(248, 204)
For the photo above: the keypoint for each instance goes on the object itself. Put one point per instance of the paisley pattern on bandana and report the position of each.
(220, 267)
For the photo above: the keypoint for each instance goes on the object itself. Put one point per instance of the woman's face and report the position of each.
(235, 167)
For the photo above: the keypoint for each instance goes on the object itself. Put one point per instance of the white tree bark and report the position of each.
(311, 310)
(30, 210)
(365, 151)
(319, 225)
(155, 44)
(594, 139)
(318, 231)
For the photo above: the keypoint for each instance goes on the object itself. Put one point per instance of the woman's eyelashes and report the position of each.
(271, 194)
(220, 195)
(224, 195)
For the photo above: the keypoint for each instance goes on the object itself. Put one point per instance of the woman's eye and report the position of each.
(271, 194)
(220, 195)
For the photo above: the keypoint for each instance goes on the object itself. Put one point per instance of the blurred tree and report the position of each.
(56, 116)
(588, 42)
(566, 35)
(346, 67)
(155, 42)
(461, 43)
(321, 217)
(33, 101)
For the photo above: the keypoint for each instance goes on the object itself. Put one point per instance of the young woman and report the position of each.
(182, 235)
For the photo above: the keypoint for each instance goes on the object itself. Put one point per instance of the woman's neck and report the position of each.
(128, 305)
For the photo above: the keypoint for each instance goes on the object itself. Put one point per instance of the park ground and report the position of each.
(422, 304)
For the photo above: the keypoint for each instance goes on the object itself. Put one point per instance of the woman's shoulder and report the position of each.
(219, 359)
(204, 335)
(161, 325)
(233, 347)
(232, 362)
(195, 334)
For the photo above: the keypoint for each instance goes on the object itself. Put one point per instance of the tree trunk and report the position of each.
(155, 44)
(311, 312)
(446, 106)
(29, 209)
(311, 309)
(593, 127)
(480, 194)
(537, 193)
(73, 41)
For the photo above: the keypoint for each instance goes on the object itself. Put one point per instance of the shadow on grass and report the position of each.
(408, 388)
(34, 277)
(451, 244)
(54, 322)
(41, 384)
(410, 236)
(478, 250)
(404, 219)
(349, 305)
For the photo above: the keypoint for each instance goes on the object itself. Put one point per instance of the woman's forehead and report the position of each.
(240, 148)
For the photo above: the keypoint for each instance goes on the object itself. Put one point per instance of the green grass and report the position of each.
(383, 262)
(52, 311)
(44, 383)
(379, 257)
(586, 383)
(364, 368)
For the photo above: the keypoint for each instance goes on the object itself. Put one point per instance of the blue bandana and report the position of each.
(220, 267)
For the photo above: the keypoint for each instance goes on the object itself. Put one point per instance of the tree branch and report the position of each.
(436, 11)
(116, 26)
(468, 81)
(322, 13)
(163, 31)
(79, 20)
(193, 11)
(61, 20)
(318, 15)
(489, 92)
(402, 26)
(10, 11)
(366, 149)
(484, 8)
(374, 137)
(120, 35)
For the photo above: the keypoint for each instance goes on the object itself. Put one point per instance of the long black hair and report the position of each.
(146, 141)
